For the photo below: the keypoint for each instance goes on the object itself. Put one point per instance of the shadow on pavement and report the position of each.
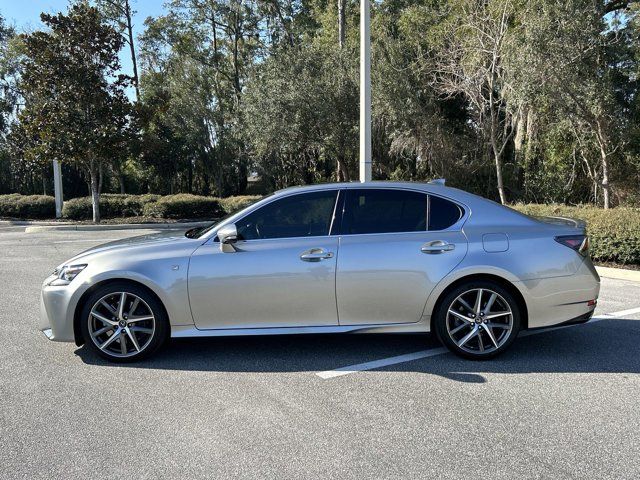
(608, 346)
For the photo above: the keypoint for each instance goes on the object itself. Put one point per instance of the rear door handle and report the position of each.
(437, 246)
(315, 255)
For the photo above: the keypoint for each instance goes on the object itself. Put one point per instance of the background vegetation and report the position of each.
(517, 100)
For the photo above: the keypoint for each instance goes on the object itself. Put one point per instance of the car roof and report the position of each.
(436, 188)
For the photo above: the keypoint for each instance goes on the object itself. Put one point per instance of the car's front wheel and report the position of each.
(478, 319)
(123, 322)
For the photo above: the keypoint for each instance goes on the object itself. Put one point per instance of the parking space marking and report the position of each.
(408, 357)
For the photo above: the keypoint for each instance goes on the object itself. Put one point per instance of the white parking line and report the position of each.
(408, 357)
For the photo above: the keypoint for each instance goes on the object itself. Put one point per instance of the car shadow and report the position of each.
(606, 346)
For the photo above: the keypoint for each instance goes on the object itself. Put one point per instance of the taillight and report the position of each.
(579, 243)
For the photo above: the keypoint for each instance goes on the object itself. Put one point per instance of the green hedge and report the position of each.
(237, 203)
(15, 205)
(111, 206)
(185, 205)
(614, 234)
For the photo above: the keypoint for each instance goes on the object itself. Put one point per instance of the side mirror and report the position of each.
(228, 235)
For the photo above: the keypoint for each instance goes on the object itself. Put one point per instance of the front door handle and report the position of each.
(315, 255)
(437, 246)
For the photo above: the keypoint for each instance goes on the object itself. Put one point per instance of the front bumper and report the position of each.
(57, 307)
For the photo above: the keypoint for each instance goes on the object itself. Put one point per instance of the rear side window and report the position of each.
(304, 215)
(442, 213)
(384, 211)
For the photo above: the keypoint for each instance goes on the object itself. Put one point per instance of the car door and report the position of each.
(281, 274)
(395, 246)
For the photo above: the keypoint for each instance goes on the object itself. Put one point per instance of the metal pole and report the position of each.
(365, 92)
(57, 187)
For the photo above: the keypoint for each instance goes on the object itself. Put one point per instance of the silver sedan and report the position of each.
(376, 257)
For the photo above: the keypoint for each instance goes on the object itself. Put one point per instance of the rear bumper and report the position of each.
(551, 301)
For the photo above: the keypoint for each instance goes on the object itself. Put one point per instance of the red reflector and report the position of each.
(591, 303)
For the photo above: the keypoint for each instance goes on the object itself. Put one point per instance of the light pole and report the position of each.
(365, 91)
(57, 187)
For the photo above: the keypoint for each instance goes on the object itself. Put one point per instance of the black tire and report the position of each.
(149, 343)
(445, 323)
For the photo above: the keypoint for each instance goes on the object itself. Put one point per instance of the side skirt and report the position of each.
(186, 331)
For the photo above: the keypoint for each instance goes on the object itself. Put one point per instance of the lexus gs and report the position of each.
(378, 257)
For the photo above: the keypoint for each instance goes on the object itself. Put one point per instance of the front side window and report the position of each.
(303, 215)
(384, 211)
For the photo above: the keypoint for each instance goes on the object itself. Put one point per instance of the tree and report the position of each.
(119, 12)
(75, 104)
(471, 63)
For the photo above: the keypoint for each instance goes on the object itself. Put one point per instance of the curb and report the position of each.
(101, 228)
(619, 273)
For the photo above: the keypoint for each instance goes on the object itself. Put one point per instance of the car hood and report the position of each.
(150, 241)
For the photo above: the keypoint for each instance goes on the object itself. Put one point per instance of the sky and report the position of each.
(25, 15)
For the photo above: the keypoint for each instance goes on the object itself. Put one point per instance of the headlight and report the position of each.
(66, 274)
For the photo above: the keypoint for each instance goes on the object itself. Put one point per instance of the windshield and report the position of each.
(201, 231)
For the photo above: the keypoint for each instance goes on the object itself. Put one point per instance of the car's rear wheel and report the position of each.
(478, 319)
(123, 322)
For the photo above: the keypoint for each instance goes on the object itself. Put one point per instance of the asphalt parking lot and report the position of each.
(560, 403)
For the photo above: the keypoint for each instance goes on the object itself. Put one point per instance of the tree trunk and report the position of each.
(604, 158)
(132, 49)
(341, 23)
(95, 191)
(342, 173)
(503, 197)
(121, 182)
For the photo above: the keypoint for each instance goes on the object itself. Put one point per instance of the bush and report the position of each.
(614, 233)
(111, 206)
(15, 205)
(237, 203)
(185, 206)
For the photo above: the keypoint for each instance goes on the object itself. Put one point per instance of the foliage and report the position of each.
(528, 100)
(27, 206)
(111, 206)
(75, 107)
(185, 206)
(614, 234)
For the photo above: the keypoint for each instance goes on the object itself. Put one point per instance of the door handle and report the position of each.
(437, 246)
(315, 255)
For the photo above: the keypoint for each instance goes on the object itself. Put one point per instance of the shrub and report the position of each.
(614, 234)
(15, 205)
(185, 206)
(111, 206)
(237, 203)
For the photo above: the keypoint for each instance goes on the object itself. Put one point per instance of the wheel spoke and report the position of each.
(490, 334)
(97, 333)
(503, 326)
(148, 331)
(103, 319)
(123, 299)
(465, 304)
(460, 316)
(496, 315)
(134, 305)
(140, 319)
(108, 307)
(476, 308)
(492, 299)
(123, 344)
(133, 338)
(458, 328)
(111, 339)
(480, 342)
(468, 336)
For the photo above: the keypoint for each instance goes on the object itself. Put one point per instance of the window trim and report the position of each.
(455, 227)
(336, 191)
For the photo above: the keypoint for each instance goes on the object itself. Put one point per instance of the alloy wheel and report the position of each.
(121, 324)
(479, 321)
